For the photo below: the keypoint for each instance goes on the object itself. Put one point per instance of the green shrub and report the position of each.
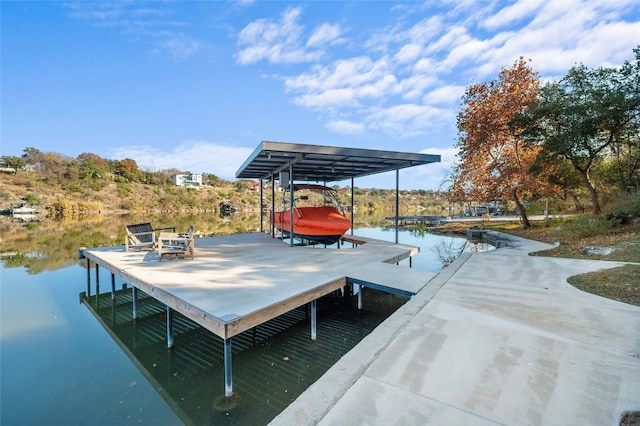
(124, 187)
(588, 226)
(30, 198)
(617, 217)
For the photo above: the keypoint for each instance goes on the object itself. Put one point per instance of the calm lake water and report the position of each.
(72, 358)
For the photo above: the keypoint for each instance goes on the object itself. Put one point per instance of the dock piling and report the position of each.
(228, 380)
(313, 320)
(97, 283)
(113, 287)
(88, 277)
(169, 327)
(134, 293)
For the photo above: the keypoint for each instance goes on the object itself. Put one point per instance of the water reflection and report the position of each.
(53, 244)
(273, 363)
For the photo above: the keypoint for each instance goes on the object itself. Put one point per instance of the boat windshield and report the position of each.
(307, 195)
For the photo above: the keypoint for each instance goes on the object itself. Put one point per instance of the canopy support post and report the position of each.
(352, 205)
(261, 212)
(397, 201)
(273, 206)
(291, 198)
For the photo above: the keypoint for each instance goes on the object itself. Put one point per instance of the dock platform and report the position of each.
(237, 282)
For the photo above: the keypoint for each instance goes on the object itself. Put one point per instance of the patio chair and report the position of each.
(142, 236)
(176, 244)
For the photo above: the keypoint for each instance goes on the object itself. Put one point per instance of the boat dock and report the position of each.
(417, 220)
(237, 282)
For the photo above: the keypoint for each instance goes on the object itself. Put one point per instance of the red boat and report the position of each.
(323, 224)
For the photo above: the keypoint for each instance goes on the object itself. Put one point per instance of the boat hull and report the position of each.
(324, 225)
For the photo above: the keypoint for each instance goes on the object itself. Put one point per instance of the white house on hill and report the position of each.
(192, 180)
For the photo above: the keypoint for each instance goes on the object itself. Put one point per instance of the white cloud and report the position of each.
(329, 100)
(276, 41)
(147, 24)
(517, 12)
(404, 120)
(413, 87)
(180, 46)
(193, 156)
(343, 84)
(325, 34)
(345, 127)
(408, 76)
(408, 53)
(445, 95)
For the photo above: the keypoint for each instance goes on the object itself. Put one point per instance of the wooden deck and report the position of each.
(236, 282)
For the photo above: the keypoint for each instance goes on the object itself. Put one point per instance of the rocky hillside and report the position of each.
(106, 196)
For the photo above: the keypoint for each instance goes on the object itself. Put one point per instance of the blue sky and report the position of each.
(197, 85)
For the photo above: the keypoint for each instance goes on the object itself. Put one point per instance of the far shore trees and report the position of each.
(127, 169)
(494, 158)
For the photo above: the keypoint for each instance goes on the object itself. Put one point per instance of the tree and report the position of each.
(91, 166)
(494, 158)
(128, 169)
(15, 162)
(32, 155)
(588, 115)
(57, 167)
(626, 145)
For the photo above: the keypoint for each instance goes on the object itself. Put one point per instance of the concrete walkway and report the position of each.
(497, 338)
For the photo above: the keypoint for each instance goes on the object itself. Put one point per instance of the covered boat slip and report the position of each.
(291, 162)
(237, 282)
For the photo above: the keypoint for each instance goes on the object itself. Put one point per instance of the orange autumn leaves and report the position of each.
(494, 158)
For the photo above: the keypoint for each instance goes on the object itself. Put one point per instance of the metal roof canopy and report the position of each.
(323, 163)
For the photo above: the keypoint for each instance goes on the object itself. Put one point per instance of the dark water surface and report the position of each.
(69, 356)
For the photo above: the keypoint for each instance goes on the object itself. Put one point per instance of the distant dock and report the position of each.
(237, 282)
(418, 220)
